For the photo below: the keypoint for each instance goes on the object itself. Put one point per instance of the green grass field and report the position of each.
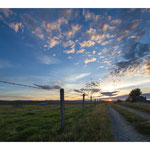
(144, 107)
(42, 123)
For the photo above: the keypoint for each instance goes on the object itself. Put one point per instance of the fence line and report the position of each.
(62, 105)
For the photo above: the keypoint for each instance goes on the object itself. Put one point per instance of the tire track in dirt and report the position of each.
(137, 112)
(122, 130)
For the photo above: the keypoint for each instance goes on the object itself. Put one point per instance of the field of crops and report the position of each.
(42, 123)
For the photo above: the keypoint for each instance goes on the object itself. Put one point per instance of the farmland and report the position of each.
(106, 122)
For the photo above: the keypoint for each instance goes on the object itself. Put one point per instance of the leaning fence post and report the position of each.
(62, 107)
(83, 105)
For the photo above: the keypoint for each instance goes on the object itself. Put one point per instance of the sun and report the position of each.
(110, 100)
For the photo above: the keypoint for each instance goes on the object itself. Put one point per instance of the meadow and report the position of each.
(42, 123)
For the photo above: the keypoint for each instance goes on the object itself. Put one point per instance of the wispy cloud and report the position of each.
(47, 87)
(48, 60)
(77, 76)
(109, 93)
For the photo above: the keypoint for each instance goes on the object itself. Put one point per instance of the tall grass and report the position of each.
(95, 126)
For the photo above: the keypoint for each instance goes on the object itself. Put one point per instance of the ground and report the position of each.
(106, 122)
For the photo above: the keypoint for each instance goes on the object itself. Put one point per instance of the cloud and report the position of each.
(48, 60)
(38, 33)
(91, 31)
(29, 21)
(86, 91)
(6, 11)
(134, 55)
(89, 60)
(93, 84)
(72, 50)
(49, 27)
(77, 76)
(73, 31)
(108, 27)
(68, 43)
(116, 21)
(109, 93)
(47, 87)
(7, 82)
(54, 41)
(87, 43)
(94, 36)
(90, 16)
(16, 26)
(106, 42)
(80, 51)
(131, 35)
(147, 65)
(81, 76)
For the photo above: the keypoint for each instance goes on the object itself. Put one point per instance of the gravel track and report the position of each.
(122, 130)
(137, 112)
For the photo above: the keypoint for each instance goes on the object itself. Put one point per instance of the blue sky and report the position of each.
(52, 48)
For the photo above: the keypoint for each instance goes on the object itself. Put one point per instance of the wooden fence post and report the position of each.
(62, 108)
(83, 105)
(90, 109)
(95, 102)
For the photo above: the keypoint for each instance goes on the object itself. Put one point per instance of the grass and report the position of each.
(144, 107)
(140, 124)
(95, 126)
(42, 123)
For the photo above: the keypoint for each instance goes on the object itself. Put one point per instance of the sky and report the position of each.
(106, 51)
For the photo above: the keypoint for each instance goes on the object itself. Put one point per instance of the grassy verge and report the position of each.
(95, 126)
(142, 125)
(144, 107)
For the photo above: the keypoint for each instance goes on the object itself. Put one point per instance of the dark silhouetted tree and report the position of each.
(134, 94)
(128, 99)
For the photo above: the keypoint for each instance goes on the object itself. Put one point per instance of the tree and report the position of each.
(128, 99)
(134, 94)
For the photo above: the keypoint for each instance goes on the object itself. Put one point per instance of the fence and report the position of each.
(62, 107)
(62, 102)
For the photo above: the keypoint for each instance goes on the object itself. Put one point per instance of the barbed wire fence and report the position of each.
(87, 92)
